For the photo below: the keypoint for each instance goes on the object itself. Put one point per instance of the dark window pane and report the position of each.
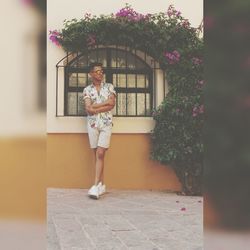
(102, 57)
(118, 59)
(131, 61)
(79, 62)
(92, 57)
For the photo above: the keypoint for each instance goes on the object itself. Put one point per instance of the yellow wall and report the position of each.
(70, 165)
(127, 164)
(22, 178)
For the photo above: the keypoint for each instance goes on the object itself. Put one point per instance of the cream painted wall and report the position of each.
(58, 11)
(20, 114)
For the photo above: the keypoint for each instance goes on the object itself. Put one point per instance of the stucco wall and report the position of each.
(127, 164)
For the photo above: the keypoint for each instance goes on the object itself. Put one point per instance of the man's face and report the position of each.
(97, 73)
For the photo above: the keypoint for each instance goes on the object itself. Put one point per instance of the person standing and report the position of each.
(99, 99)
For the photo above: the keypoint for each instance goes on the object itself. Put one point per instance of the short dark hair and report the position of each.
(94, 64)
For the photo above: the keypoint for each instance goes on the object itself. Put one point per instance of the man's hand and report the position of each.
(96, 108)
(109, 102)
(92, 111)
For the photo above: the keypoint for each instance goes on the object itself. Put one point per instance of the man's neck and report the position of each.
(97, 83)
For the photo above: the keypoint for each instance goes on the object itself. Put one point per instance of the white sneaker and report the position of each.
(94, 192)
(102, 188)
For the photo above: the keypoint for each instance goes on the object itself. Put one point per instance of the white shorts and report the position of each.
(99, 137)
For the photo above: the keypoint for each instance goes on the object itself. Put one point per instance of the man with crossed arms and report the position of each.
(99, 98)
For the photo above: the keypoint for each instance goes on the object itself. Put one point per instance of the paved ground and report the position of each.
(138, 220)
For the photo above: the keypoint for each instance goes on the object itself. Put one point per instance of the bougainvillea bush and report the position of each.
(168, 38)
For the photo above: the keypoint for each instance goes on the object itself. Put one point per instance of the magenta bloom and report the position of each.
(91, 40)
(54, 37)
(196, 61)
(172, 12)
(198, 110)
(131, 14)
(178, 13)
(173, 57)
(185, 23)
(87, 16)
(201, 109)
(201, 82)
(28, 2)
(183, 209)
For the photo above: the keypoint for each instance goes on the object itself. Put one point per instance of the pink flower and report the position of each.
(201, 82)
(28, 2)
(185, 23)
(54, 36)
(178, 13)
(183, 209)
(201, 109)
(172, 12)
(91, 40)
(87, 16)
(173, 57)
(196, 61)
(131, 14)
(198, 110)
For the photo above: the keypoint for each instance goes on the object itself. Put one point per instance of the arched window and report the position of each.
(131, 76)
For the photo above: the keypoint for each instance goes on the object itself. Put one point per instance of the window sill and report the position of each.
(121, 125)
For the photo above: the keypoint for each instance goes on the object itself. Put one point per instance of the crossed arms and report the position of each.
(100, 107)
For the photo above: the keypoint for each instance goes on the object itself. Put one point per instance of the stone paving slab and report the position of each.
(123, 219)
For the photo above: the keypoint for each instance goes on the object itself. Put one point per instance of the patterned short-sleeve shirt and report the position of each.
(102, 119)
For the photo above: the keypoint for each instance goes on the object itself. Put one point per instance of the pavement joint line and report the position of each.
(58, 237)
(86, 233)
(146, 237)
(122, 230)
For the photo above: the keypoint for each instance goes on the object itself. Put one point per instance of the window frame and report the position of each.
(109, 71)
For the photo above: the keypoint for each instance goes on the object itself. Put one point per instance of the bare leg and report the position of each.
(94, 151)
(102, 172)
(101, 176)
(100, 154)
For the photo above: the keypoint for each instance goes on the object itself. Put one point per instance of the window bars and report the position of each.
(133, 74)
